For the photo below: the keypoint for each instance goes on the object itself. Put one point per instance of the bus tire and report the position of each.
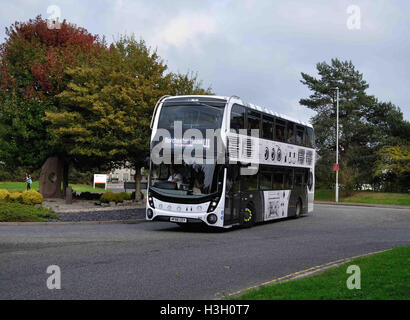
(248, 216)
(298, 209)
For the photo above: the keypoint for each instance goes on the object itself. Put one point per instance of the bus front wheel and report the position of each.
(248, 216)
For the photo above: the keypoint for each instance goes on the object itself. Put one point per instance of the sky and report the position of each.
(255, 49)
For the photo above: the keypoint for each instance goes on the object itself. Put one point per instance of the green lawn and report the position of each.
(365, 197)
(16, 212)
(384, 276)
(21, 186)
(322, 195)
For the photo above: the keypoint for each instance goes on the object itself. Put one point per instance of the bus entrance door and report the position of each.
(233, 204)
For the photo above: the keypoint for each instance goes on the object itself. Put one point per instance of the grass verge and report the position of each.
(365, 197)
(16, 212)
(384, 276)
(21, 186)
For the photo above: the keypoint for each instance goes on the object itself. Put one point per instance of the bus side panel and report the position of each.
(276, 204)
(257, 198)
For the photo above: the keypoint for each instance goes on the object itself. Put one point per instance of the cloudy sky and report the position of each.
(255, 49)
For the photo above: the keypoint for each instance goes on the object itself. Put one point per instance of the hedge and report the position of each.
(110, 196)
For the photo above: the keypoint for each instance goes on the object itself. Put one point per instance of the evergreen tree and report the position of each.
(365, 124)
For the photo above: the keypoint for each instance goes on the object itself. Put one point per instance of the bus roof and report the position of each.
(249, 105)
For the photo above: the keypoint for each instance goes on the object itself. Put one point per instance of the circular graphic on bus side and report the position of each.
(279, 154)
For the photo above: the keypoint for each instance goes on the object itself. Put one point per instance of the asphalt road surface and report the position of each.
(162, 261)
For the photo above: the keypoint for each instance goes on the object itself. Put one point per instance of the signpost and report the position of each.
(337, 144)
(100, 178)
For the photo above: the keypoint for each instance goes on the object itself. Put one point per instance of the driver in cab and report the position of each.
(175, 176)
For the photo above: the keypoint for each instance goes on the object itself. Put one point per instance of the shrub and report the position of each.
(4, 195)
(124, 196)
(31, 197)
(119, 197)
(15, 196)
(110, 196)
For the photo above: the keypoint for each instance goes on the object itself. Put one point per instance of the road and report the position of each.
(162, 261)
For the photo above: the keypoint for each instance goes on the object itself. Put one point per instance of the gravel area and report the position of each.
(124, 214)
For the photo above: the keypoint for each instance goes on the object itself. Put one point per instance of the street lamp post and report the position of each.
(337, 144)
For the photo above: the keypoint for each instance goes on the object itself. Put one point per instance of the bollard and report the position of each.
(68, 195)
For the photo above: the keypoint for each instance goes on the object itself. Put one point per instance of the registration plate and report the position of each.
(180, 220)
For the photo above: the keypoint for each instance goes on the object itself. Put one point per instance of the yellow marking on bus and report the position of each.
(304, 273)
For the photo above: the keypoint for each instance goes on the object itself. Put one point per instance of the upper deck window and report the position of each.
(254, 122)
(300, 133)
(291, 132)
(237, 118)
(310, 138)
(280, 126)
(267, 127)
(191, 115)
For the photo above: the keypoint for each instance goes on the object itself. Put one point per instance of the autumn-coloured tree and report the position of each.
(33, 60)
(34, 57)
(107, 107)
(393, 167)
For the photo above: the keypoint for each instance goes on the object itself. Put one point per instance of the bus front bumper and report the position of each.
(210, 218)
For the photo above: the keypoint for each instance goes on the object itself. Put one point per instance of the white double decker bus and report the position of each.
(224, 162)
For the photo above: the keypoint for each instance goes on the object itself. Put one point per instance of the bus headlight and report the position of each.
(213, 204)
(151, 201)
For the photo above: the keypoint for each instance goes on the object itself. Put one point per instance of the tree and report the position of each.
(184, 84)
(393, 168)
(107, 106)
(23, 140)
(365, 124)
(389, 127)
(33, 60)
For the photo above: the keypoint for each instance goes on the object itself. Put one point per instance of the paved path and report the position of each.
(161, 261)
